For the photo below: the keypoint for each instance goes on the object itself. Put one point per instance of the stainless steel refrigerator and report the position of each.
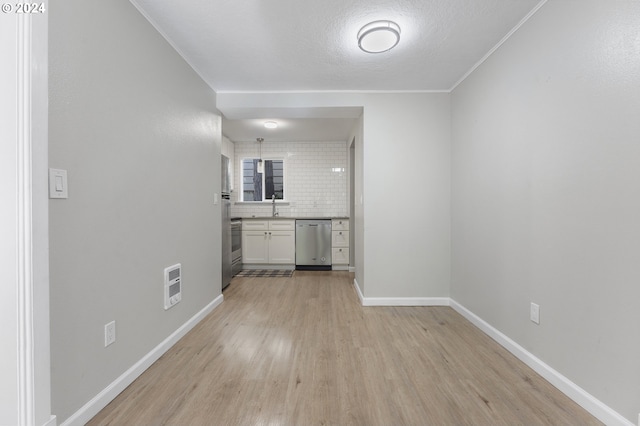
(226, 222)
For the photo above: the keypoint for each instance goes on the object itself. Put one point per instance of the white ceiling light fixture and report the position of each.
(270, 124)
(378, 36)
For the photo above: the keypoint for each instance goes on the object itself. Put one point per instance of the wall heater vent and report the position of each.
(172, 285)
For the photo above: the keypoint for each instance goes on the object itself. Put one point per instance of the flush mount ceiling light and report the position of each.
(270, 124)
(378, 36)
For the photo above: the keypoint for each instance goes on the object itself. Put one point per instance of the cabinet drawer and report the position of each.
(282, 225)
(255, 225)
(339, 256)
(339, 238)
(340, 224)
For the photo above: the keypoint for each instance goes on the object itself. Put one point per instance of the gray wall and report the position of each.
(406, 187)
(546, 184)
(140, 136)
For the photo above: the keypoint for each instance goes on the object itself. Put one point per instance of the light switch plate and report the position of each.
(58, 184)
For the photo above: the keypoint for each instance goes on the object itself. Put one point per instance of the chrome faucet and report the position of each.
(274, 213)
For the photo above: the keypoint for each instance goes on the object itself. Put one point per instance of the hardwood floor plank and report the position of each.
(303, 351)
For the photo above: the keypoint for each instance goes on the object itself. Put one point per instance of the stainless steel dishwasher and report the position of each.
(313, 244)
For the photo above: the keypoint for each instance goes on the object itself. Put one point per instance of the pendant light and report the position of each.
(260, 162)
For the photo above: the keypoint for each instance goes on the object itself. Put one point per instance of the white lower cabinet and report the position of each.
(282, 247)
(255, 247)
(268, 242)
(273, 242)
(340, 244)
(340, 239)
(339, 256)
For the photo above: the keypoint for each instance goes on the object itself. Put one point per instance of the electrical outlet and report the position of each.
(535, 313)
(109, 333)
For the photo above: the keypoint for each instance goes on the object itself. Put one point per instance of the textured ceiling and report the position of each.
(303, 45)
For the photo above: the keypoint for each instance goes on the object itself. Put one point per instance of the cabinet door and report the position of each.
(282, 247)
(255, 247)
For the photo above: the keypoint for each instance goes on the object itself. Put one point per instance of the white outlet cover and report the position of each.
(109, 333)
(535, 313)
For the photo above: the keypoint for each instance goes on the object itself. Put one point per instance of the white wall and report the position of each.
(313, 186)
(405, 184)
(139, 134)
(9, 249)
(546, 188)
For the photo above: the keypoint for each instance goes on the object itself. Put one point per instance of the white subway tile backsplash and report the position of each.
(313, 187)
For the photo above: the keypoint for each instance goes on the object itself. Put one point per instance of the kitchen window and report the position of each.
(262, 186)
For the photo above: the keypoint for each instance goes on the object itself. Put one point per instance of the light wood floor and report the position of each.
(303, 351)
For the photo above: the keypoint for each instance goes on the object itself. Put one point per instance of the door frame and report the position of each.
(24, 217)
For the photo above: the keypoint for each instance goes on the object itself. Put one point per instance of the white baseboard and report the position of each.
(352, 269)
(405, 301)
(400, 301)
(587, 401)
(355, 283)
(93, 407)
(51, 422)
